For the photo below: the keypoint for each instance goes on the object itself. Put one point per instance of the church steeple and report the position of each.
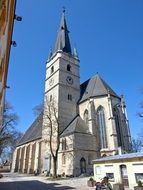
(63, 41)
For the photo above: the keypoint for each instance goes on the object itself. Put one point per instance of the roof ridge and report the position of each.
(108, 88)
(95, 82)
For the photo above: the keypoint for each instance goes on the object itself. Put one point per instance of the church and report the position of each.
(87, 121)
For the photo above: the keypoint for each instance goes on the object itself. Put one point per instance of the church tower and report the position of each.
(62, 77)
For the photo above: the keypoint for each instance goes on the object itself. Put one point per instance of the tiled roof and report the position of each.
(33, 132)
(95, 86)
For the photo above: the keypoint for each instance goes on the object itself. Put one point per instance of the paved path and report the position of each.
(28, 182)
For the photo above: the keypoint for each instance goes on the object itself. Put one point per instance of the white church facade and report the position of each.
(92, 118)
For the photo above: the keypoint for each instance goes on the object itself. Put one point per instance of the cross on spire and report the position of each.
(63, 41)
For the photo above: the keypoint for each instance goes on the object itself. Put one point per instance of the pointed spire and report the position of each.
(63, 41)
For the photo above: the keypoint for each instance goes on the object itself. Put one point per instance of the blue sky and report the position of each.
(108, 35)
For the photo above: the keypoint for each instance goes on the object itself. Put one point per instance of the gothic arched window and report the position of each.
(82, 165)
(68, 68)
(86, 116)
(118, 129)
(102, 127)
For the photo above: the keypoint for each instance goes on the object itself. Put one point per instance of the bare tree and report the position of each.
(51, 115)
(8, 132)
(140, 113)
(10, 146)
(137, 145)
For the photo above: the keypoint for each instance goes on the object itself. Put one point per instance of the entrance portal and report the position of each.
(47, 163)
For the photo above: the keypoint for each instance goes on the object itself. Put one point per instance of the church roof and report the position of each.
(63, 41)
(33, 132)
(77, 125)
(95, 86)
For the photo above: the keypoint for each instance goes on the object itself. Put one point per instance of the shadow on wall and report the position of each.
(32, 185)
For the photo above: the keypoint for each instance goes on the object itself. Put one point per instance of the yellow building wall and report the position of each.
(131, 165)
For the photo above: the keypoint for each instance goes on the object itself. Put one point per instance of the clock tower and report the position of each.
(62, 77)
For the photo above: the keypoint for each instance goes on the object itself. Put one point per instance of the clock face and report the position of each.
(69, 80)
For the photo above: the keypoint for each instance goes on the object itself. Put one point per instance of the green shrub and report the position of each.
(91, 179)
(140, 184)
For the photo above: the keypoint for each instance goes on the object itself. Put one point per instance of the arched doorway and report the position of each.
(124, 175)
(83, 166)
(47, 163)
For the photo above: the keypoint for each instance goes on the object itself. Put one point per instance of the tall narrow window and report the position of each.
(51, 98)
(102, 127)
(70, 97)
(118, 129)
(86, 116)
(82, 165)
(52, 69)
(68, 68)
(64, 145)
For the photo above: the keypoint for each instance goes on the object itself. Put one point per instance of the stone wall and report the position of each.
(27, 158)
